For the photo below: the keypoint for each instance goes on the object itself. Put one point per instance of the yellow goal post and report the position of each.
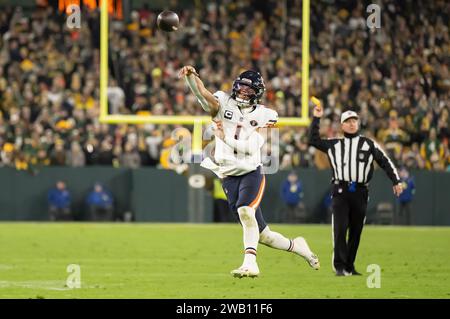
(196, 121)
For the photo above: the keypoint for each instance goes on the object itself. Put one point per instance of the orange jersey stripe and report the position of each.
(258, 198)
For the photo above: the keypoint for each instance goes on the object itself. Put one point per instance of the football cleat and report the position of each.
(246, 271)
(314, 262)
(343, 273)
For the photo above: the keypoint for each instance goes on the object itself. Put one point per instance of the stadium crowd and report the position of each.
(396, 77)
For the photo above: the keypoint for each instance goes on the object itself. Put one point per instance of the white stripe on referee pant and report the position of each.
(332, 239)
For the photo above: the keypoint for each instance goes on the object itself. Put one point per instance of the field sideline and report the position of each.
(194, 261)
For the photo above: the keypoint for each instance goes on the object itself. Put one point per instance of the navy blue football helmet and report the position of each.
(249, 84)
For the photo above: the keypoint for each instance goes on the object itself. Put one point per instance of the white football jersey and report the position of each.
(240, 125)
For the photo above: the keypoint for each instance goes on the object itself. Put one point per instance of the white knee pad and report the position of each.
(265, 237)
(247, 216)
(274, 239)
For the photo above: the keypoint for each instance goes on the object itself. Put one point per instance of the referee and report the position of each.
(351, 158)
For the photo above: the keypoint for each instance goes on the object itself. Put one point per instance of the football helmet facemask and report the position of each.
(248, 89)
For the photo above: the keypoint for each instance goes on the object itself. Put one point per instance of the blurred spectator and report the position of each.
(130, 158)
(393, 138)
(292, 194)
(405, 199)
(59, 203)
(116, 97)
(154, 143)
(100, 204)
(91, 151)
(433, 151)
(20, 162)
(7, 154)
(106, 155)
(165, 157)
(175, 155)
(412, 159)
(75, 156)
(302, 157)
(58, 157)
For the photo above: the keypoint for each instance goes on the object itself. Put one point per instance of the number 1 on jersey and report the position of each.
(237, 132)
(236, 135)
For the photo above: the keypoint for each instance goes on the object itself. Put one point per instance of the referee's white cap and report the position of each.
(347, 115)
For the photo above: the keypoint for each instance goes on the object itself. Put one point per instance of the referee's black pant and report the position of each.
(349, 211)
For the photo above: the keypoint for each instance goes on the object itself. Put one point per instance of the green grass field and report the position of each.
(194, 261)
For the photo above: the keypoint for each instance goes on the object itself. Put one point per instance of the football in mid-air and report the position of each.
(168, 21)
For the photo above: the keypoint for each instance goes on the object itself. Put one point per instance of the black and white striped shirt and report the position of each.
(352, 156)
